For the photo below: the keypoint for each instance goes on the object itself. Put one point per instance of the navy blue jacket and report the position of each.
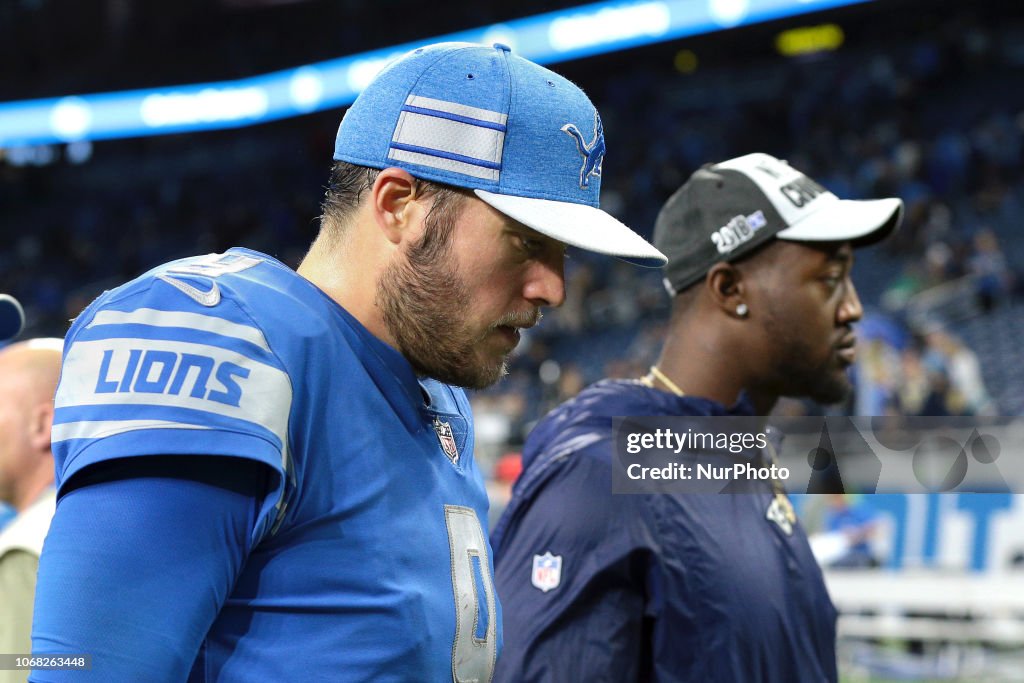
(695, 588)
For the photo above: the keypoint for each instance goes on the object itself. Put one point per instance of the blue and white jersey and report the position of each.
(369, 559)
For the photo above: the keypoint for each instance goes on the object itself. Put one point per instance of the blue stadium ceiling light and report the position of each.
(546, 38)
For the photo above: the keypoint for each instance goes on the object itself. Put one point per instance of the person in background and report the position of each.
(28, 378)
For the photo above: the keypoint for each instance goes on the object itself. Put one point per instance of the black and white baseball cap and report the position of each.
(727, 210)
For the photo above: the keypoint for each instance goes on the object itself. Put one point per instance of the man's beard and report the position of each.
(423, 302)
(795, 374)
(826, 383)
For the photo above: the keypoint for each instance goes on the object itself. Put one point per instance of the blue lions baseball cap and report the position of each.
(524, 139)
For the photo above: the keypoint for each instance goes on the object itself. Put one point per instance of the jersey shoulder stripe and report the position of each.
(148, 365)
(182, 320)
(92, 422)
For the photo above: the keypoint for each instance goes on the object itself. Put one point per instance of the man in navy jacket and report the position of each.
(690, 587)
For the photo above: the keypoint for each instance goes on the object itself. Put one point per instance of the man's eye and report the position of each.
(530, 246)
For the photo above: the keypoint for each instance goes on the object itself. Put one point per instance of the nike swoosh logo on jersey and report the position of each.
(209, 299)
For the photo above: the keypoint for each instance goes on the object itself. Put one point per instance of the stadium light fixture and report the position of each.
(546, 38)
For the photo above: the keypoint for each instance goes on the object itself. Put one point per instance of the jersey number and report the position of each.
(476, 631)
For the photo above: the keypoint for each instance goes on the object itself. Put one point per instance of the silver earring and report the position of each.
(742, 310)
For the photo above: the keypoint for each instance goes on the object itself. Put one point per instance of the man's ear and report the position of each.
(398, 205)
(726, 288)
(40, 422)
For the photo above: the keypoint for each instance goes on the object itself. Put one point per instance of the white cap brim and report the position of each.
(859, 221)
(578, 225)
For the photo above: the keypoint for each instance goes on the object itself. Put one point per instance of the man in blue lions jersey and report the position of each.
(681, 586)
(266, 475)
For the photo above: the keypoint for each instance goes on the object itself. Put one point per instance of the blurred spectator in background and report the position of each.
(956, 366)
(29, 372)
(913, 384)
(993, 279)
(849, 524)
(499, 486)
(932, 373)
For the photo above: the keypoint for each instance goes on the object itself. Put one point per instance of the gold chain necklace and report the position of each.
(786, 508)
(656, 374)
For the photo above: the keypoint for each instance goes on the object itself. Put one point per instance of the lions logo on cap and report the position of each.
(593, 154)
